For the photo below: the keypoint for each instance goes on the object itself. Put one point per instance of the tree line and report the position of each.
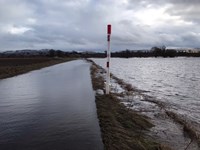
(154, 52)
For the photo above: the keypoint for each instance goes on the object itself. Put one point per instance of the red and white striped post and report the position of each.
(108, 60)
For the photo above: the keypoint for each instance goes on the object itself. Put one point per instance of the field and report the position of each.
(121, 127)
(14, 66)
(165, 90)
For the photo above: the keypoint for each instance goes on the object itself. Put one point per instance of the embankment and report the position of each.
(121, 128)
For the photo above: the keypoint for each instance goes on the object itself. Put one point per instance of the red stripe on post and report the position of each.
(109, 29)
(107, 64)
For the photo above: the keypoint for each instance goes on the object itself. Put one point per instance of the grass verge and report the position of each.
(121, 128)
(14, 66)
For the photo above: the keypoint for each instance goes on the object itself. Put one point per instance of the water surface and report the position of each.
(175, 81)
(52, 108)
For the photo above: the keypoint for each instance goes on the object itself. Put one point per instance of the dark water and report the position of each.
(52, 108)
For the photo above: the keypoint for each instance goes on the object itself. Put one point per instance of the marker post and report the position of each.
(108, 60)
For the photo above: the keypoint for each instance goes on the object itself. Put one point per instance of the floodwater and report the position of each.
(52, 108)
(173, 81)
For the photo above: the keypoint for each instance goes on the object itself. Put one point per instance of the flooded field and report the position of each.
(51, 108)
(172, 81)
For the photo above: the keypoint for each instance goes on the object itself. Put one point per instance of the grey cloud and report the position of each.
(81, 24)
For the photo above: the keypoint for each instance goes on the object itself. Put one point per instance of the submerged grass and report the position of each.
(121, 128)
(14, 66)
(186, 126)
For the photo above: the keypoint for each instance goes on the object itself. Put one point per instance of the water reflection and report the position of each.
(52, 108)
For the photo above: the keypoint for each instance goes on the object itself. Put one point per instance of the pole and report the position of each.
(108, 60)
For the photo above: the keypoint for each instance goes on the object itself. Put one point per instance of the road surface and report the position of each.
(52, 108)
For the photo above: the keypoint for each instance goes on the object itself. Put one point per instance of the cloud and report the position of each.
(16, 30)
(81, 24)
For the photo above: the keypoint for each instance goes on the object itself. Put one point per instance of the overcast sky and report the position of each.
(81, 24)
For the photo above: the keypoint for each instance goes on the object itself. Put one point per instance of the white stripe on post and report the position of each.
(108, 60)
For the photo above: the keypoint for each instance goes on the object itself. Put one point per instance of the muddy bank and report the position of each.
(10, 67)
(169, 128)
(121, 127)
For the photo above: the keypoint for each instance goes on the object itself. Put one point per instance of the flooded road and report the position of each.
(51, 108)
